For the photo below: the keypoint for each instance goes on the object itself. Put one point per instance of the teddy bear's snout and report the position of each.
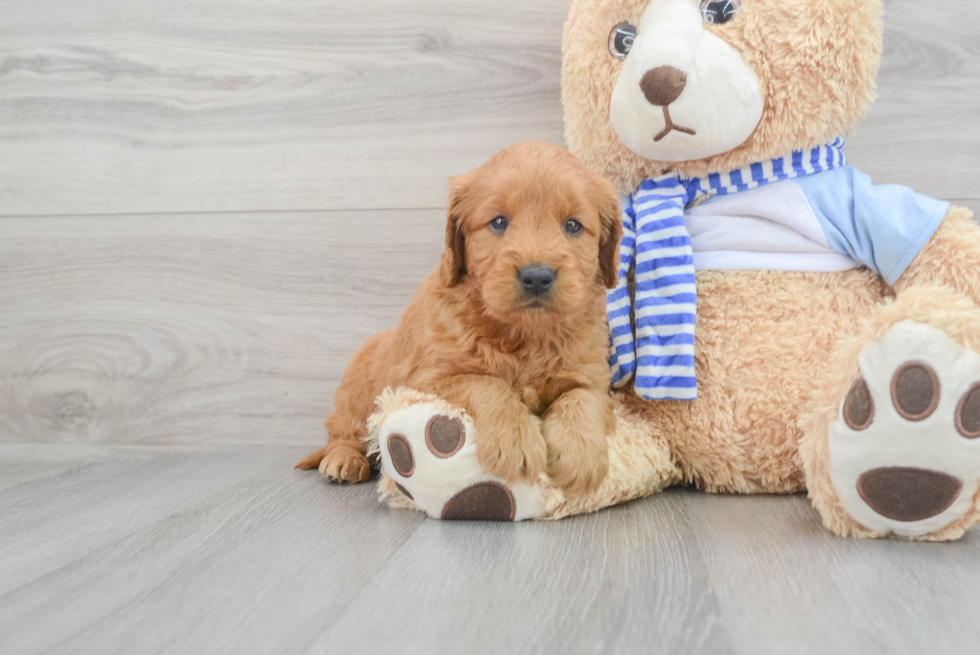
(663, 85)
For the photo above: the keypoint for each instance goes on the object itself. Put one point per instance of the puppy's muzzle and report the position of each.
(536, 279)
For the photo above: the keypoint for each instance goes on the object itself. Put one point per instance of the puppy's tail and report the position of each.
(313, 461)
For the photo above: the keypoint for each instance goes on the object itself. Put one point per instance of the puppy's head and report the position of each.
(534, 232)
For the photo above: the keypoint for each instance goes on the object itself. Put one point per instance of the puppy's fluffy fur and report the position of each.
(474, 337)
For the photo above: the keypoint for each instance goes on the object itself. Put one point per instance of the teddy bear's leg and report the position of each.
(428, 451)
(640, 463)
(891, 445)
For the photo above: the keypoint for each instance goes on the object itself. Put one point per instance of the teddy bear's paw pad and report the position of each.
(484, 501)
(429, 453)
(908, 494)
(444, 436)
(905, 451)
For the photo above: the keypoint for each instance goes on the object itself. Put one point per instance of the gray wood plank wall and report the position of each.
(206, 207)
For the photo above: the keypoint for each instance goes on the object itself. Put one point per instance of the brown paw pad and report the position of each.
(908, 494)
(444, 436)
(401, 455)
(485, 501)
(404, 491)
(915, 391)
(968, 413)
(859, 407)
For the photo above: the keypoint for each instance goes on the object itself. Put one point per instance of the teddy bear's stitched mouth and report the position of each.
(671, 127)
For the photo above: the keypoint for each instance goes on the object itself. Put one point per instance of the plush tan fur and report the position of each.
(817, 75)
(474, 337)
(950, 257)
(760, 340)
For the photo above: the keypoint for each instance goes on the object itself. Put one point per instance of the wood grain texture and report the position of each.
(133, 106)
(190, 329)
(136, 106)
(244, 554)
(774, 569)
(924, 129)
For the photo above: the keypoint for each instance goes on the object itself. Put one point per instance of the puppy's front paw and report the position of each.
(577, 464)
(575, 430)
(345, 464)
(513, 450)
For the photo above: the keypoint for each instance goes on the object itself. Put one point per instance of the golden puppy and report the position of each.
(512, 323)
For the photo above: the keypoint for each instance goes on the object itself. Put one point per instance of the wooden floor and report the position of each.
(205, 207)
(138, 549)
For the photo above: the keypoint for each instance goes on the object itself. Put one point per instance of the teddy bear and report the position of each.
(781, 324)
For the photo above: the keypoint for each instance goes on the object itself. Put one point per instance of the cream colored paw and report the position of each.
(905, 451)
(429, 452)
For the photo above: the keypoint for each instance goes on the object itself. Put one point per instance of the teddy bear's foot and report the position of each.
(905, 449)
(428, 455)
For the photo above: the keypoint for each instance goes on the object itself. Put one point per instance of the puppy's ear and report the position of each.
(453, 264)
(611, 213)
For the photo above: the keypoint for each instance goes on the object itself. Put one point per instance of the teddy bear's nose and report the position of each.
(663, 85)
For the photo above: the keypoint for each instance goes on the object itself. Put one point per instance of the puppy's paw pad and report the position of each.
(430, 454)
(905, 451)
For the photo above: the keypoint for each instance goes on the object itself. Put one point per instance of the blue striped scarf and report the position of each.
(656, 240)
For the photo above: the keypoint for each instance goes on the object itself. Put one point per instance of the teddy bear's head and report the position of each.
(702, 86)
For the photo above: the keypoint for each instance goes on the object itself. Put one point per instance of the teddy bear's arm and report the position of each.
(883, 227)
(951, 257)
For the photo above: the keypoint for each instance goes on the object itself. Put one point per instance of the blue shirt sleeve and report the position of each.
(883, 227)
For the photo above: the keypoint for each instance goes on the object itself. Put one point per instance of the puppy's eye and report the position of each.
(719, 12)
(499, 225)
(573, 227)
(621, 40)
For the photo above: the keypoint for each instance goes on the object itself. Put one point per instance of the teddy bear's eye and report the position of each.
(621, 40)
(718, 12)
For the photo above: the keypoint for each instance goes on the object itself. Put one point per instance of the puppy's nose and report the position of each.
(663, 85)
(536, 279)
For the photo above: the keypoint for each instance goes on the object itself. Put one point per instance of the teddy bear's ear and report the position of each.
(453, 264)
(607, 201)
